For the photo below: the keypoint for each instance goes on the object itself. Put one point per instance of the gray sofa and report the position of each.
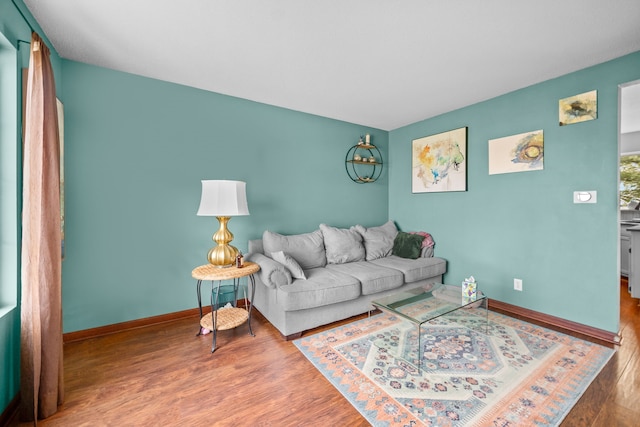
(313, 279)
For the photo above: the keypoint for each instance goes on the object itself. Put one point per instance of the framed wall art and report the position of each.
(579, 108)
(439, 162)
(517, 153)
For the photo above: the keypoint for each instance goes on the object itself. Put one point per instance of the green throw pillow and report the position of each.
(407, 245)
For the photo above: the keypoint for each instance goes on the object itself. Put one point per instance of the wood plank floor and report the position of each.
(163, 375)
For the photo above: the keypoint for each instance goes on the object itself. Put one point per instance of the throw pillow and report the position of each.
(407, 245)
(428, 239)
(342, 245)
(291, 264)
(427, 244)
(307, 249)
(378, 241)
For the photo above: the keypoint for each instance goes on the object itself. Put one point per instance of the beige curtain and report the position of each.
(41, 376)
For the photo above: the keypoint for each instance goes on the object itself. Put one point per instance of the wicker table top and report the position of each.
(211, 272)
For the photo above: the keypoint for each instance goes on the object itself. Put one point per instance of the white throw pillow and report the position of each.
(292, 265)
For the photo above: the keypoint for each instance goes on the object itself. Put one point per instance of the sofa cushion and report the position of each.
(414, 269)
(407, 245)
(307, 248)
(322, 287)
(373, 278)
(290, 263)
(378, 241)
(342, 244)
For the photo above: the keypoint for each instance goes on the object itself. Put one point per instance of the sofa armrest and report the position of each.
(272, 273)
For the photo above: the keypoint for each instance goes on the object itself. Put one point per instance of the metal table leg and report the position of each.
(251, 282)
(214, 313)
(198, 285)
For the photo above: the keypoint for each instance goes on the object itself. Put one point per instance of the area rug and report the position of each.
(502, 373)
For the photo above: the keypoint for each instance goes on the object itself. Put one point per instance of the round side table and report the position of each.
(222, 318)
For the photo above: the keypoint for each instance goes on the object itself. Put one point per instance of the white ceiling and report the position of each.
(378, 63)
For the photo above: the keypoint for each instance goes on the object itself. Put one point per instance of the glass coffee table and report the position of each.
(426, 304)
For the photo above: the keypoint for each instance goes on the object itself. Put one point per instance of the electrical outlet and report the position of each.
(517, 284)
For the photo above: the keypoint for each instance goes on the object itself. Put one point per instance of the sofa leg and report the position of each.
(292, 336)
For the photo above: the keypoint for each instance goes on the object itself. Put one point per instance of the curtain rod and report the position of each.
(26, 21)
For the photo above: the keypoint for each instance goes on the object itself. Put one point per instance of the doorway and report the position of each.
(628, 171)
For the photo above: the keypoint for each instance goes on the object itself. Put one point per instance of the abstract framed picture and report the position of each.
(578, 108)
(439, 162)
(517, 153)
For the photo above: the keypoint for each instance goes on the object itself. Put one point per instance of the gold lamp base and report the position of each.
(223, 255)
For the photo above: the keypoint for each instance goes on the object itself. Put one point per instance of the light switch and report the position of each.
(585, 197)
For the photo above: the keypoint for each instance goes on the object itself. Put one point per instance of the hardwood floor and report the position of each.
(613, 399)
(164, 375)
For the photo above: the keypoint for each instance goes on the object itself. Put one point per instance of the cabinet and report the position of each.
(634, 263)
(363, 163)
(625, 249)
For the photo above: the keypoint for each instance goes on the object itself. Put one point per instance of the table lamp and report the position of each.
(223, 199)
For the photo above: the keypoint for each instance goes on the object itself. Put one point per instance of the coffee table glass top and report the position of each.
(420, 305)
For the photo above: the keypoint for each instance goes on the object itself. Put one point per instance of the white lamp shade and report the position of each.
(223, 198)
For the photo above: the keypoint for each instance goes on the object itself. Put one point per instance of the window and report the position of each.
(9, 161)
(629, 179)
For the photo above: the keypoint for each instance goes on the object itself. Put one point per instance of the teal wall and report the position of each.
(136, 150)
(14, 56)
(525, 225)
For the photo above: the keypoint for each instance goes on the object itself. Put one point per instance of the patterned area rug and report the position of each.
(504, 373)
